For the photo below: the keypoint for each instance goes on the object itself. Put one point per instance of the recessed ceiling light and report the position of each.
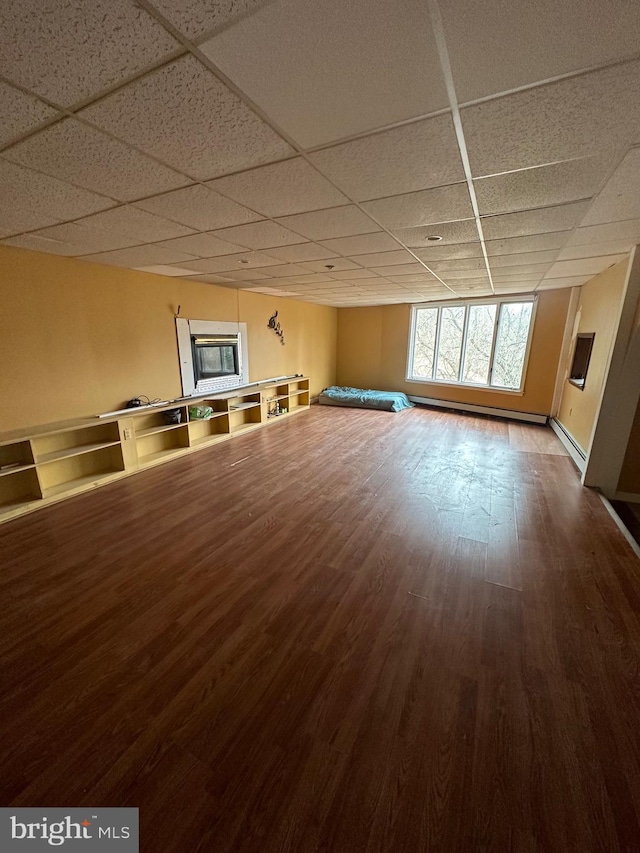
(434, 238)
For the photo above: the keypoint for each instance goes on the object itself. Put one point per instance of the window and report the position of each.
(471, 343)
(581, 358)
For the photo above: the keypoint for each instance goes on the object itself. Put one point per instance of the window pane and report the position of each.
(450, 346)
(425, 342)
(511, 344)
(479, 340)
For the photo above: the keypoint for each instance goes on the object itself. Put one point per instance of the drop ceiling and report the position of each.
(312, 149)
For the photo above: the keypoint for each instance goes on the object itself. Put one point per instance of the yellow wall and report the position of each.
(598, 311)
(630, 474)
(372, 353)
(78, 338)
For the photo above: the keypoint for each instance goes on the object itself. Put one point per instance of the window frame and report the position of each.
(498, 301)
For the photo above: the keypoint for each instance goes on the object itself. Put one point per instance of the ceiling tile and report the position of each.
(29, 190)
(364, 243)
(529, 243)
(301, 252)
(194, 18)
(583, 266)
(140, 256)
(568, 281)
(82, 155)
(523, 258)
(311, 279)
(86, 240)
(246, 275)
(13, 220)
(531, 270)
(259, 235)
(327, 70)
(202, 245)
(543, 219)
(462, 275)
(20, 113)
(401, 269)
(458, 264)
(442, 204)
(281, 189)
(451, 232)
(232, 262)
(534, 41)
(199, 208)
(350, 275)
(164, 269)
(424, 277)
(207, 279)
(186, 117)
(378, 259)
(518, 278)
(134, 223)
(284, 270)
(69, 50)
(577, 117)
(336, 222)
(38, 243)
(444, 251)
(540, 186)
(592, 250)
(337, 265)
(372, 281)
(627, 230)
(620, 199)
(412, 157)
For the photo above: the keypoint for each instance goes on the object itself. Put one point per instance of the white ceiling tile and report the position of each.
(378, 259)
(37, 243)
(86, 240)
(194, 18)
(539, 186)
(530, 270)
(249, 274)
(208, 279)
(412, 157)
(583, 266)
(29, 190)
(541, 220)
(327, 70)
(424, 277)
(559, 283)
(13, 220)
(529, 243)
(270, 291)
(140, 256)
(202, 245)
(451, 232)
(458, 264)
(134, 223)
(400, 269)
(461, 275)
(362, 244)
(20, 113)
(372, 281)
(577, 117)
(337, 265)
(164, 269)
(442, 204)
(82, 155)
(620, 199)
(301, 252)
(281, 189)
(69, 50)
(442, 252)
(199, 208)
(350, 275)
(518, 278)
(285, 270)
(186, 117)
(629, 230)
(311, 279)
(592, 250)
(337, 222)
(259, 235)
(522, 258)
(494, 47)
(233, 262)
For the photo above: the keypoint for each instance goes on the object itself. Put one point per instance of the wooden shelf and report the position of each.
(79, 483)
(239, 407)
(159, 455)
(74, 451)
(17, 469)
(153, 430)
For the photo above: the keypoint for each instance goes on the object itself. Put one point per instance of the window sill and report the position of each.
(468, 386)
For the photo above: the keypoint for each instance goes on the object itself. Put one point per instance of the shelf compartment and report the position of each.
(153, 422)
(141, 433)
(21, 489)
(246, 416)
(19, 455)
(60, 445)
(78, 470)
(239, 407)
(201, 431)
(159, 445)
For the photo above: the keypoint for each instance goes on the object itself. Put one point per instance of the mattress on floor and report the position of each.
(359, 398)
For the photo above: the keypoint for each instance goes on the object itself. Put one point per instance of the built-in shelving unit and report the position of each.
(60, 460)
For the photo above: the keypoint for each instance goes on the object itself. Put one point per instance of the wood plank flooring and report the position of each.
(353, 631)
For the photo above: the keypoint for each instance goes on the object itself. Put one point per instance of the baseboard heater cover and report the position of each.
(569, 443)
(481, 410)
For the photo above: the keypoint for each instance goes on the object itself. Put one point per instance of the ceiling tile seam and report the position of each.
(445, 64)
(569, 75)
(226, 24)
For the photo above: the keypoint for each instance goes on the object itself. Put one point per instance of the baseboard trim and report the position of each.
(627, 497)
(621, 525)
(570, 444)
(481, 410)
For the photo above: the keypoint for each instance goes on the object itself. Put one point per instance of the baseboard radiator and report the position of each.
(529, 417)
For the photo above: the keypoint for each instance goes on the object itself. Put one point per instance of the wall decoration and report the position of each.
(273, 324)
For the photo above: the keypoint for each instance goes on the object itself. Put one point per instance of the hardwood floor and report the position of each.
(353, 631)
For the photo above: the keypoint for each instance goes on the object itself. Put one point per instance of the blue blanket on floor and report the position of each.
(387, 401)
